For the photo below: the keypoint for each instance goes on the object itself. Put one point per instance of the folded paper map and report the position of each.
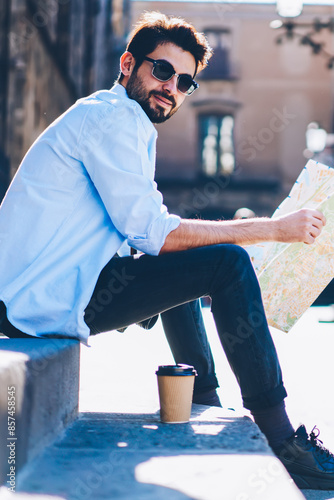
(292, 275)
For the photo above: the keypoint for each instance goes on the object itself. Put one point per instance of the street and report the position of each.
(129, 361)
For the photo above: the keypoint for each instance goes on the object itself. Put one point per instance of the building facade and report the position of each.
(52, 53)
(240, 139)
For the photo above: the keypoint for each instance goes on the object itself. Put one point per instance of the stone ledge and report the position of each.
(217, 455)
(45, 376)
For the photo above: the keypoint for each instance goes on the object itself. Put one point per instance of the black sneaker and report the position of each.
(308, 462)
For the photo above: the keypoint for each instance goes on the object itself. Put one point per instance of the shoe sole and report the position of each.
(312, 483)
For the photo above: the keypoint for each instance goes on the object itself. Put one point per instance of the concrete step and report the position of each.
(218, 455)
(39, 382)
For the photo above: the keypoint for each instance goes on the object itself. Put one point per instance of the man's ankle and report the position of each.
(274, 423)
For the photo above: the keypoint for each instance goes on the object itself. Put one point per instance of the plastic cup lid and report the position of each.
(176, 370)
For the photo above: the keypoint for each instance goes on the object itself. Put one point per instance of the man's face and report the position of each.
(160, 100)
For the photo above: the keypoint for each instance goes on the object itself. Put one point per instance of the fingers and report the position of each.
(304, 225)
(315, 223)
(310, 239)
(319, 216)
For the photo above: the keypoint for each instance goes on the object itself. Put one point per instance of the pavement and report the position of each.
(118, 449)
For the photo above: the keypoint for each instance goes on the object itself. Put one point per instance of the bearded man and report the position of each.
(87, 185)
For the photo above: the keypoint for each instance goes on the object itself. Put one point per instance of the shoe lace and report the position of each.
(318, 444)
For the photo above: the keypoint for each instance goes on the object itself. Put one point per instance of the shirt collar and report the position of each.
(120, 91)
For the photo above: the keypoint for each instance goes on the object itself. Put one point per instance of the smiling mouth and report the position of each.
(162, 101)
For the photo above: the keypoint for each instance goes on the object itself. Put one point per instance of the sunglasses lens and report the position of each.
(163, 71)
(186, 85)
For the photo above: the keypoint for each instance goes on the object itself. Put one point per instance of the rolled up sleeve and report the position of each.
(117, 149)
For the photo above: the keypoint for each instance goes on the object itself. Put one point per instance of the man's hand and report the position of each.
(305, 226)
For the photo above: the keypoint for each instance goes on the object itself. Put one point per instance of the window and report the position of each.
(219, 37)
(219, 66)
(217, 147)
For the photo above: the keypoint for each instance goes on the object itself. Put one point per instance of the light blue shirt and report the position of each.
(84, 188)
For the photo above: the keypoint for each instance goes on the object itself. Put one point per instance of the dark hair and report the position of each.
(154, 29)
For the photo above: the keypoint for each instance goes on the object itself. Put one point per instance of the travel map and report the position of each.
(292, 275)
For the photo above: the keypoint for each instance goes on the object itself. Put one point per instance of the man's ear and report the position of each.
(127, 63)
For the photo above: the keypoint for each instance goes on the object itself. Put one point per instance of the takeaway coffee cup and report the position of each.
(176, 385)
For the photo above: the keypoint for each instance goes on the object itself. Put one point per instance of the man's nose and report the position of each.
(171, 85)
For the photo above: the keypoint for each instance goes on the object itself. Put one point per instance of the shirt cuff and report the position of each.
(152, 242)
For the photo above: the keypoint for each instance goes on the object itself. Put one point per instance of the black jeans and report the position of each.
(132, 289)
(185, 331)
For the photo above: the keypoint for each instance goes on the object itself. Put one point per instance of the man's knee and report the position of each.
(235, 262)
(237, 255)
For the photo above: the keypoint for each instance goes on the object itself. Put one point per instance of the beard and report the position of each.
(137, 91)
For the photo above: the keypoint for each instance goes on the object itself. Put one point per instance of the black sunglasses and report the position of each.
(164, 71)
